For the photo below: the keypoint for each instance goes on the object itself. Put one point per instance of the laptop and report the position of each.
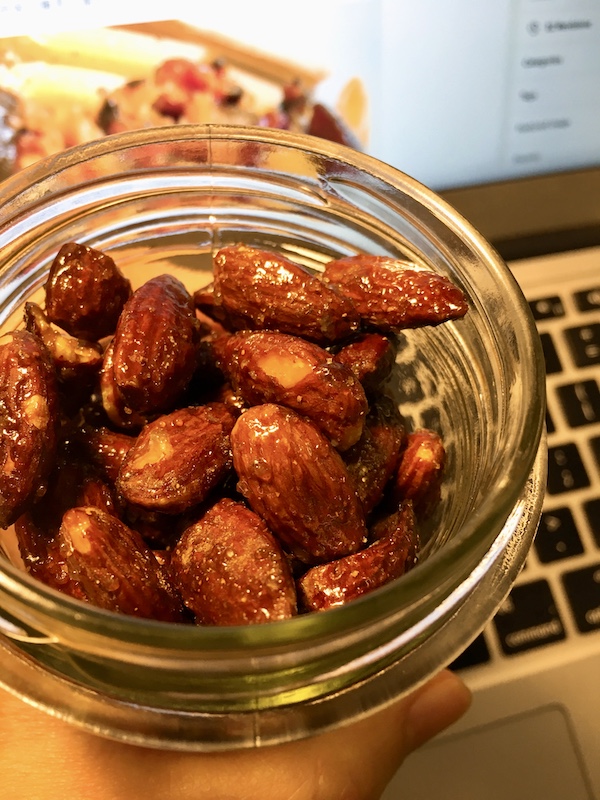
(494, 106)
(529, 180)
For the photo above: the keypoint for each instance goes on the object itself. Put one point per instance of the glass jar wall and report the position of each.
(165, 200)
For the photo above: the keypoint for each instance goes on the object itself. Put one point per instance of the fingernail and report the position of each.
(435, 706)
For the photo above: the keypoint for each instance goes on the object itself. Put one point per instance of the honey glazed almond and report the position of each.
(226, 454)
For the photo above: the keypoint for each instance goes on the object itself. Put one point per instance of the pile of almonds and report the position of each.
(222, 457)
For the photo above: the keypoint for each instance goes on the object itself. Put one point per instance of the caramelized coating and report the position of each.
(77, 361)
(72, 481)
(230, 570)
(271, 367)
(390, 294)
(85, 292)
(373, 461)
(260, 289)
(420, 471)
(43, 559)
(336, 583)
(155, 345)
(105, 449)
(113, 402)
(293, 477)
(178, 459)
(29, 422)
(370, 357)
(114, 567)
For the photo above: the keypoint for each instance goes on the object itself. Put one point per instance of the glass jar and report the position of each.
(165, 199)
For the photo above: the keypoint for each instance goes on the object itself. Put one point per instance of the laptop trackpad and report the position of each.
(534, 755)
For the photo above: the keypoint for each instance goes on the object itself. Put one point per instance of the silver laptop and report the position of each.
(534, 727)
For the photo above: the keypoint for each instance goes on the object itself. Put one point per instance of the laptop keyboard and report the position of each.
(557, 595)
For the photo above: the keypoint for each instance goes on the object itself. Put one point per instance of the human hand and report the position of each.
(42, 758)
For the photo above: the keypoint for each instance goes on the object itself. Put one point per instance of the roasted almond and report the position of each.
(295, 479)
(105, 449)
(77, 361)
(255, 288)
(29, 421)
(114, 567)
(370, 357)
(373, 461)
(155, 345)
(336, 583)
(391, 294)
(230, 570)
(420, 471)
(272, 367)
(113, 403)
(85, 292)
(178, 459)
(42, 557)
(70, 480)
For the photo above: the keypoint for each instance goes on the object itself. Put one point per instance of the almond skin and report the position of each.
(85, 292)
(105, 449)
(272, 367)
(113, 402)
(336, 583)
(296, 481)
(390, 294)
(155, 345)
(77, 361)
(370, 357)
(373, 461)
(29, 420)
(178, 459)
(70, 480)
(255, 288)
(114, 567)
(230, 570)
(43, 560)
(421, 470)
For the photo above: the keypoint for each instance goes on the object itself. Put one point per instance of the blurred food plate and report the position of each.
(62, 89)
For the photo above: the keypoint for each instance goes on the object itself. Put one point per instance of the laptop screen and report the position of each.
(496, 106)
(476, 92)
(492, 104)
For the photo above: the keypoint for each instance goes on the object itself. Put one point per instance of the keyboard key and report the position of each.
(588, 300)
(411, 388)
(551, 358)
(592, 512)
(580, 402)
(547, 308)
(476, 653)
(583, 590)
(528, 618)
(584, 343)
(430, 418)
(557, 536)
(565, 469)
(595, 445)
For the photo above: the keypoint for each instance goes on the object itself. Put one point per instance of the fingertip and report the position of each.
(434, 707)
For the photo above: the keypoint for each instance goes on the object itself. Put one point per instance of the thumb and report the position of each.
(433, 707)
(360, 759)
